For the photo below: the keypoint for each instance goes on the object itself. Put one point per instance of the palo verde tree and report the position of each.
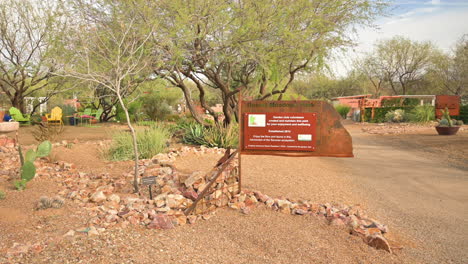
(257, 46)
(109, 50)
(28, 31)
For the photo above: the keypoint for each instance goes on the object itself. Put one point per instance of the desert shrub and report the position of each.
(2, 195)
(343, 110)
(221, 136)
(134, 111)
(210, 136)
(151, 141)
(422, 114)
(145, 123)
(396, 116)
(193, 133)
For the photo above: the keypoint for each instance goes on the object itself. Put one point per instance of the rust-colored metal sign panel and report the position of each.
(280, 131)
(452, 102)
(319, 132)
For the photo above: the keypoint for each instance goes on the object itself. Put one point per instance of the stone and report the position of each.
(269, 203)
(379, 242)
(161, 221)
(283, 204)
(353, 221)
(261, 197)
(70, 233)
(98, 197)
(190, 194)
(337, 222)
(114, 198)
(246, 210)
(299, 211)
(191, 219)
(93, 231)
(194, 177)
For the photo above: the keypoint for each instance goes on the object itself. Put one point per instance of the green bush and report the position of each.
(422, 114)
(379, 114)
(343, 110)
(151, 141)
(464, 113)
(2, 195)
(134, 111)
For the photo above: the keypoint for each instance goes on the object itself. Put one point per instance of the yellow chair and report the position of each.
(55, 116)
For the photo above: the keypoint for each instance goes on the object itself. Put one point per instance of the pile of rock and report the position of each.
(107, 206)
(351, 217)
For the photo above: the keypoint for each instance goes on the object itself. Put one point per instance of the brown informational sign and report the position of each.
(293, 128)
(452, 102)
(280, 131)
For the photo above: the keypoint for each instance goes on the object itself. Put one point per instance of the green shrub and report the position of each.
(222, 137)
(396, 116)
(422, 114)
(343, 110)
(210, 136)
(2, 195)
(134, 111)
(464, 113)
(151, 141)
(379, 113)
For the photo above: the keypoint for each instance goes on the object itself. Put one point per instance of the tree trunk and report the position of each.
(134, 138)
(191, 107)
(18, 102)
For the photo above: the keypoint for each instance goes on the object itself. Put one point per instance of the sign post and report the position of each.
(149, 181)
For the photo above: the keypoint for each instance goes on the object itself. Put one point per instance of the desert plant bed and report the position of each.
(108, 202)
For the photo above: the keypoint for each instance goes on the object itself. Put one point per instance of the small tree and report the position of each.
(108, 51)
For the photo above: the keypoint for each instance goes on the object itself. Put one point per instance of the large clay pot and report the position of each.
(447, 131)
(2, 114)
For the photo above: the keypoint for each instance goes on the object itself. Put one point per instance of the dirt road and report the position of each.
(415, 191)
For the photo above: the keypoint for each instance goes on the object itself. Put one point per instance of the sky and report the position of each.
(441, 21)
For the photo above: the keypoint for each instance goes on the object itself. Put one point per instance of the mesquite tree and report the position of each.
(108, 49)
(258, 46)
(28, 32)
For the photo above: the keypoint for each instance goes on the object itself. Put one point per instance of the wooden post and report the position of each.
(239, 147)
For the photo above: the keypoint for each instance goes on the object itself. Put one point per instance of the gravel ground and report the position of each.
(228, 237)
(423, 200)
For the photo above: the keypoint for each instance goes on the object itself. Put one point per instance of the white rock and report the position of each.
(114, 198)
(70, 233)
(98, 197)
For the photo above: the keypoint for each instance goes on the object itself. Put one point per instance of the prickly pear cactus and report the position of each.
(44, 149)
(460, 123)
(31, 155)
(28, 171)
